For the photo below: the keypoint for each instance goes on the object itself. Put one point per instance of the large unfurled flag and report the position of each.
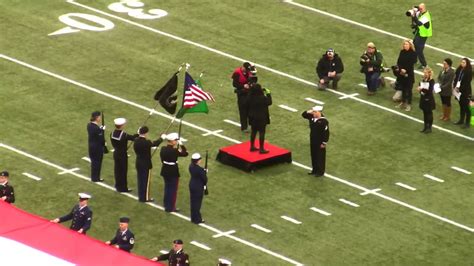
(194, 97)
(167, 95)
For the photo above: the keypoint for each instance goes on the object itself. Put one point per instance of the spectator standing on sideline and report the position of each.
(197, 185)
(257, 103)
(6, 190)
(462, 84)
(176, 256)
(240, 82)
(120, 139)
(124, 238)
(96, 145)
(423, 29)
(445, 80)
(81, 215)
(427, 102)
(406, 64)
(319, 137)
(371, 61)
(329, 68)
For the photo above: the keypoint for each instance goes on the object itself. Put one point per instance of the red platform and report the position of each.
(240, 156)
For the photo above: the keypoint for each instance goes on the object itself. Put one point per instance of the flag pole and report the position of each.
(182, 103)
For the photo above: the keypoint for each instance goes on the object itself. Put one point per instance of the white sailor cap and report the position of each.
(120, 121)
(172, 136)
(224, 262)
(317, 108)
(84, 196)
(196, 156)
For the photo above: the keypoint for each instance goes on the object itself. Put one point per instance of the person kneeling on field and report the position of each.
(329, 68)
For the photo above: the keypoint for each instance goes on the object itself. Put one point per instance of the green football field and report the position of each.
(391, 196)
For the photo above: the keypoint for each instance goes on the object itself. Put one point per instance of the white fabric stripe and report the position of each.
(405, 186)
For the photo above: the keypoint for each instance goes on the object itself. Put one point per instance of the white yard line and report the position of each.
(69, 171)
(288, 108)
(197, 244)
(313, 101)
(362, 85)
(232, 122)
(368, 27)
(348, 96)
(289, 219)
(87, 159)
(32, 176)
(261, 228)
(212, 133)
(460, 170)
(405, 186)
(350, 203)
(370, 191)
(258, 65)
(325, 213)
(433, 178)
(224, 234)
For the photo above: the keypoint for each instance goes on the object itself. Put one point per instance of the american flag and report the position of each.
(193, 93)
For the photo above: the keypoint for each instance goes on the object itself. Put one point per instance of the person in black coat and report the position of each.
(406, 64)
(427, 102)
(142, 147)
(197, 185)
(176, 256)
(124, 239)
(319, 138)
(240, 82)
(120, 139)
(170, 171)
(96, 145)
(329, 68)
(462, 84)
(81, 215)
(259, 116)
(7, 193)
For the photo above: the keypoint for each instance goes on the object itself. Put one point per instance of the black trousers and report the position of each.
(465, 111)
(318, 159)
(143, 183)
(96, 155)
(120, 171)
(428, 117)
(243, 111)
(407, 93)
(196, 196)
(261, 136)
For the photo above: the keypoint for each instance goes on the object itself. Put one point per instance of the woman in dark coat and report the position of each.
(427, 102)
(462, 84)
(445, 79)
(259, 116)
(406, 63)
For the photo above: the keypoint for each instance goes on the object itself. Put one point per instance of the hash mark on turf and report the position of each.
(261, 228)
(460, 170)
(87, 159)
(325, 213)
(290, 219)
(232, 122)
(282, 106)
(32, 176)
(197, 244)
(405, 186)
(433, 178)
(313, 101)
(349, 203)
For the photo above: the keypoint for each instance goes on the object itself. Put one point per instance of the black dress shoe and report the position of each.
(310, 173)
(176, 210)
(263, 151)
(253, 149)
(318, 175)
(128, 190)
(427, 131)
(100, 180)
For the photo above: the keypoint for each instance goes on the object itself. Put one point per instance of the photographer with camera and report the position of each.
(422, 28)
(405, 73)
(241, 83)
(371, 62)
(329, 68)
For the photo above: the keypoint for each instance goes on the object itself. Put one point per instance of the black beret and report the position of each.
(143, 130)
(124, 220)
(178, 241)
(95, 114)
(4, 173)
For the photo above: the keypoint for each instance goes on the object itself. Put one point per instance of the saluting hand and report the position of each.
(107, 243)
(154, 259)
(80, 231)
(55, 220)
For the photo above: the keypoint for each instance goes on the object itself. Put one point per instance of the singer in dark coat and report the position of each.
(119, 139)
(319, 138)
(96, 145)
(427, 101)
(259, 115)
(462, 84)
(197, 185)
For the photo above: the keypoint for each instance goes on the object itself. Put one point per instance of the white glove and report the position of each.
(163, 136)
(180, 142)
(102, 127)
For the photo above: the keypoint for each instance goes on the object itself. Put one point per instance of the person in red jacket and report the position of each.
(240, 82)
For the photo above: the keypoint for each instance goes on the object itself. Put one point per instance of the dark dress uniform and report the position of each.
(124, 240)
(119, 139)
(175, 258)
(7, 190)
(142, 147)
(81, 218)
(259, 115)
(196, 190)
(427, 104)
(96, 149)
(239, 80)
(319, 135)
(170, 173)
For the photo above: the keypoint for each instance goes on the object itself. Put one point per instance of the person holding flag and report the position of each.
(197, 186)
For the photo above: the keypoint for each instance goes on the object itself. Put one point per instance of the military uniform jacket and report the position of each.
(81, 218)
(125, 240)
(169, 157)
(119, 139)
(142, 147)
(175, 258)
(7, 190)
(319, 129)
(198, 177)
(258, 109)
(96, 135)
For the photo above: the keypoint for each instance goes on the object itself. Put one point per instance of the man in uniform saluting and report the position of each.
(319, 137)
(80, 214)
(170, 171)
(176, 256)
(6, 191)
(119, 139)
(96, 145)
(142, 147)
(124, 238)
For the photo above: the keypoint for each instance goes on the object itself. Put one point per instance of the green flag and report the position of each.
(200, 107)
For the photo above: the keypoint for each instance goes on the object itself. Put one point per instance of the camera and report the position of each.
(364, 58)
(412, 12)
